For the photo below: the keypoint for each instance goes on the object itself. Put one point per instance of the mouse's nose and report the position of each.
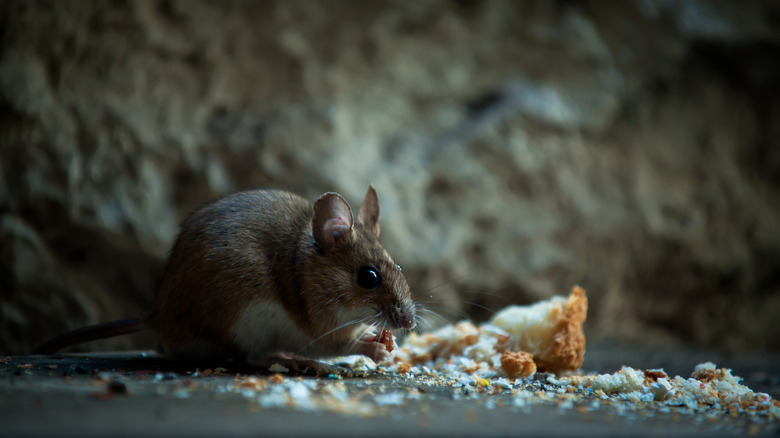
(408, 323)
(405, 317)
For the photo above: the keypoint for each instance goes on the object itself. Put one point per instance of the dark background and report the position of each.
(518, 148)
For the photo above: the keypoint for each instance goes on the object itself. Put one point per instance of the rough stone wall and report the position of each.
(517, 148)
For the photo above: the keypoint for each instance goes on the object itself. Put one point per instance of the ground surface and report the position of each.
(137, 394)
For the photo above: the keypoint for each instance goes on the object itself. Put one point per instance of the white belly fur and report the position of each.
(265, 328)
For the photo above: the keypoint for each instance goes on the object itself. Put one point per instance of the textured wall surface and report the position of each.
(518, 148)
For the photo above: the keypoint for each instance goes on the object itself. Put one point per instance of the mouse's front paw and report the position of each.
(374, 350)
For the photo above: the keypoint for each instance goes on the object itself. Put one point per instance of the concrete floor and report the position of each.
(135, 394)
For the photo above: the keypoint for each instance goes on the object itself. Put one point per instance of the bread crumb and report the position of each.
(404, 368)
(517, 364)
(652, 376)
(707, 372)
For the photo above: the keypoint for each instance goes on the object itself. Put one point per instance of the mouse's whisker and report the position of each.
(453, 313)
(445, 283)
(370, 327)
(471, 303)
(428, 312)
(466, 289)
(429, 320)
(346, 324)
(482, 291)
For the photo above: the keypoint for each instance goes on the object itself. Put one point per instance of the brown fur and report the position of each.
(264, 274)
(258, 245)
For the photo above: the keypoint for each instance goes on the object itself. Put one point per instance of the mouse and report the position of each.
(269, 277)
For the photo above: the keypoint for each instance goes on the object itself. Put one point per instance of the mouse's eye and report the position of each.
(368, 277)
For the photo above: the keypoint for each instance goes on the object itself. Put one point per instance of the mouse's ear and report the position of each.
(369, 212)
(332, 222)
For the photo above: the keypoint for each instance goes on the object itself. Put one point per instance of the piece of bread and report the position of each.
(518, 340)
(550, 330)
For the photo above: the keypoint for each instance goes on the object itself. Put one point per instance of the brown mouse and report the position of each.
(264, 275)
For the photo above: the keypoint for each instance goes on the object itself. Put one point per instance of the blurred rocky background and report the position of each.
(518, 148)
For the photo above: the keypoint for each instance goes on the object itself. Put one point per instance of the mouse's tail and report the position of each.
(91, 333)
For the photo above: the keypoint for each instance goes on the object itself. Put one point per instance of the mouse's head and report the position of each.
(360, 280)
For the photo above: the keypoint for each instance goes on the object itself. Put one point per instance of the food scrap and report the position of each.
(516, 342)
(551, 330)
(517, 364)
(525, 356)
(708, 389)
(710, 392)
(386, 337)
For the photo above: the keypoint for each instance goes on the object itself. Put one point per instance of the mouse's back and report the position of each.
(224, 257)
